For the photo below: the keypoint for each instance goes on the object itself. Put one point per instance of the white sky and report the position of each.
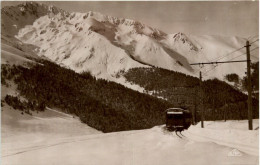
(234, 18)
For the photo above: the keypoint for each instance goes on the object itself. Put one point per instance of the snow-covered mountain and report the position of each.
(106, 46)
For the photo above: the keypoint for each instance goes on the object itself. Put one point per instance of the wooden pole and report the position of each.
(201, 101)
(195, 106)
(249, 87)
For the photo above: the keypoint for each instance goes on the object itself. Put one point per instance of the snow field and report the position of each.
(60, 139)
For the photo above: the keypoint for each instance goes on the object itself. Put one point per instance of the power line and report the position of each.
(250, 37)
(254, 41)
(255, 56)
(221, 57)
(230, 59)
(217, 62)
(204, 74)
(244, 53)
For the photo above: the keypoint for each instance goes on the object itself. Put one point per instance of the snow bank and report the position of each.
(22, 132)
(234, 134)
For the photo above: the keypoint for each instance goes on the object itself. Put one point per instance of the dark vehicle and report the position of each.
(178, 119)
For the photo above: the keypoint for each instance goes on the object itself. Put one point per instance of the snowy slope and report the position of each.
(147, 147)
(13, 56)
(105, 45)
(100, 44)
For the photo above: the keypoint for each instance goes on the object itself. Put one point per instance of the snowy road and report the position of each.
(152, 146)
(62, 139)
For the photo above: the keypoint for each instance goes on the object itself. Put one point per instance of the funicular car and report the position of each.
(178, 119)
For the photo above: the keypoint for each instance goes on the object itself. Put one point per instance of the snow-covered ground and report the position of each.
(24, 132)
(53, 137)
(230, 133)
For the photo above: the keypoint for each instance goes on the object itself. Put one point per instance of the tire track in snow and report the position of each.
(89, 137)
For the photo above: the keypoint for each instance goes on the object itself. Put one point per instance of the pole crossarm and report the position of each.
(218, 62)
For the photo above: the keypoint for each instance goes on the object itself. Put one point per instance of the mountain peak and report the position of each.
(17, 17)
(181, 37)
(136, 26)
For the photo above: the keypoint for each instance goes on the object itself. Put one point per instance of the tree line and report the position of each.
(220, 100)
(104, 105)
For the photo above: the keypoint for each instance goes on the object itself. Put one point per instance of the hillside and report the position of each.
(103, 105)
(221, 101)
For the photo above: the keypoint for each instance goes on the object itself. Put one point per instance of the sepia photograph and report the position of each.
(130, 82)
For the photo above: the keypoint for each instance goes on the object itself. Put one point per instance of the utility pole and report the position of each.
(249, 87)
(194, 103)
(201, 101)
(195, 106)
